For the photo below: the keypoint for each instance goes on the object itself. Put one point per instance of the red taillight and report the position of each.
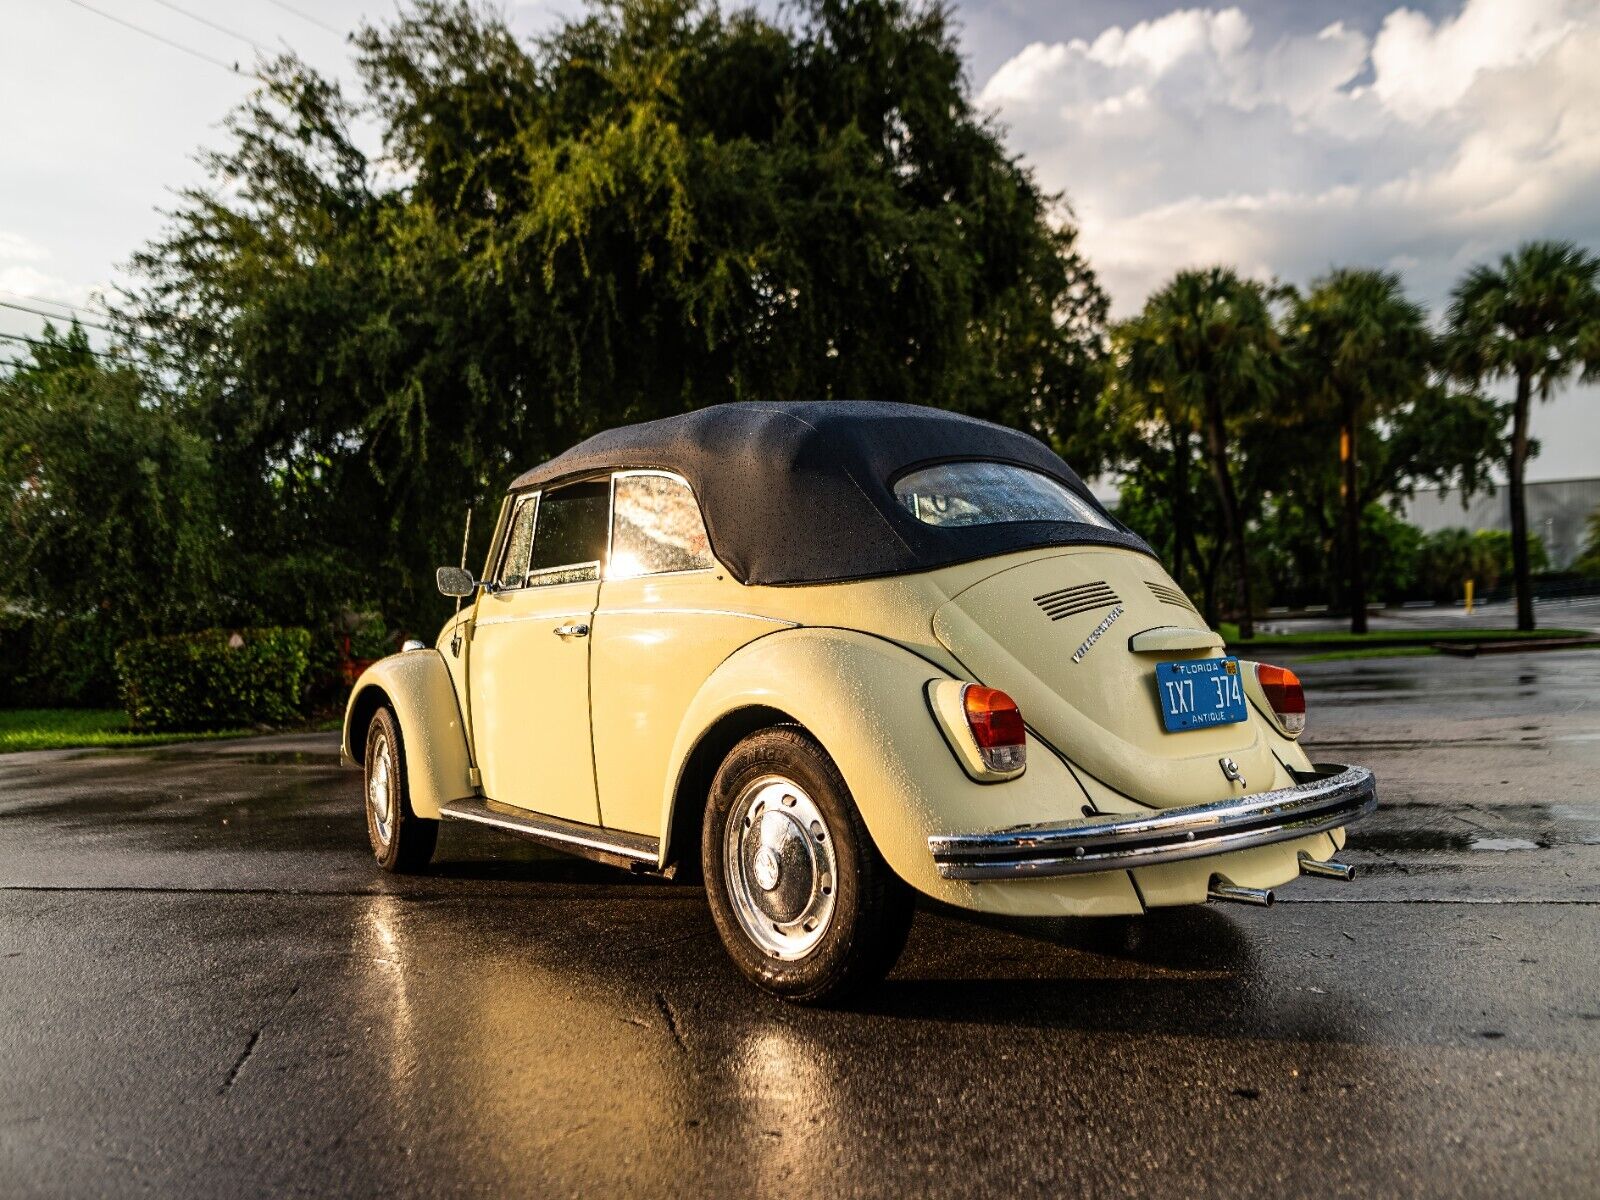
(996, 724)
(1284, 694)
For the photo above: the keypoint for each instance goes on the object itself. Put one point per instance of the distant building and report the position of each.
(1557, 512)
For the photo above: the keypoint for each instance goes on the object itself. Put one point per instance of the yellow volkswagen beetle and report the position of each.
(831, 655)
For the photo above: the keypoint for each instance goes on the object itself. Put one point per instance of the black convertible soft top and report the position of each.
(801, 492)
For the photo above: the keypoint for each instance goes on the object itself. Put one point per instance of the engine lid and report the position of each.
(1055, 633)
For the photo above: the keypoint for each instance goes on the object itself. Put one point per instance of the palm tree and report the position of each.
(1207, 346)
(1154, 432)
(1533, 317)
(1360, 350)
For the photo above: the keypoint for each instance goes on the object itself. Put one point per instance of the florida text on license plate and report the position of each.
(1200, 693)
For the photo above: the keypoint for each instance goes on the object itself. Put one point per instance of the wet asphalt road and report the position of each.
(206, 989)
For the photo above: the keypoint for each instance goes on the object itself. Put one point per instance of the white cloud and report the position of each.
(1433, 145)
(15, 248)
(25, 276)
(1422, 68)
(1186, 140)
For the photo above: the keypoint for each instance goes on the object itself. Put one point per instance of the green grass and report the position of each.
(1381, 637)
(1368, 652)
(69, 728)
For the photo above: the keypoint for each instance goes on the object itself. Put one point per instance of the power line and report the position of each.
(231, 68)
(88, 308)
(251, 42)
(50, 316)
(77, 320)
(17, 337)
(71, 309)
(320, 24)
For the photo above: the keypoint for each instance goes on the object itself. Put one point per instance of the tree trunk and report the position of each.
(1207, 579)
(1355, 569)
(1210, 582)
(1232, 522)
(1181, 538)
(1519, 506)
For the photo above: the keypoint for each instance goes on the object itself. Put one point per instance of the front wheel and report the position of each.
(401, 840)
(805, 904)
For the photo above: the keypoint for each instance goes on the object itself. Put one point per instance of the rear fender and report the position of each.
(864, 699)
(416, 685)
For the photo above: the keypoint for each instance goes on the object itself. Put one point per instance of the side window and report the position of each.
(569, 540)
(658, 528)
(519, 542)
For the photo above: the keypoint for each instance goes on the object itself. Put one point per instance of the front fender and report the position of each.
(864, 699)
(417, 686)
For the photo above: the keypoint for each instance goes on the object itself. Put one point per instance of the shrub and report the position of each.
(49, 661)
(1498, 543)
(1588, 564)
(1447, 558)
(215, 679)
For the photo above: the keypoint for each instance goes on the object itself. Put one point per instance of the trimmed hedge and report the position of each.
(214, 679)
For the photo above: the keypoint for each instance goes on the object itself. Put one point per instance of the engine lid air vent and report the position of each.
(1070, 601)
(1170, 595)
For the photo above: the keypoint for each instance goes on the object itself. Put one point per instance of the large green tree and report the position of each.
(1204, 359)
(108, 531)
(1153, 432)
(1532, 318)
(658, 206)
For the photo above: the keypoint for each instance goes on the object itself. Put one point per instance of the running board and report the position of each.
(631, 851)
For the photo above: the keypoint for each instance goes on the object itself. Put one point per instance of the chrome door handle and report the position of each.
(575, 629)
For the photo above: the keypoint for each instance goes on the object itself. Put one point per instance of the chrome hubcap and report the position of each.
(779, 860)
(378, 789)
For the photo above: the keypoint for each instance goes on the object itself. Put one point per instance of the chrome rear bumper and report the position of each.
(1335, 796)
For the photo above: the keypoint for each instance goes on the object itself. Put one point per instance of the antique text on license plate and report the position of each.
(1200, 693)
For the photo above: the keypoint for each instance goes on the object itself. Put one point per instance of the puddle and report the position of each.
(262, 758)
(1381, 839)
(1503, 844)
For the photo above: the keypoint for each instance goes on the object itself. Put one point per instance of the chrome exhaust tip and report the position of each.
(1260, 897)
(1326, 870)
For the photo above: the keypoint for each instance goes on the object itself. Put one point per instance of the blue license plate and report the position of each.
(1200, 693)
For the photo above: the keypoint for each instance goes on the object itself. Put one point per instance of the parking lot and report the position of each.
(208, 989)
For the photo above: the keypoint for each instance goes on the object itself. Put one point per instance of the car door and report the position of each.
(667, 617)
(529, 666)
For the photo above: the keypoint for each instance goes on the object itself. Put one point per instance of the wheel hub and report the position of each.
(767, 869)
(378, 789)
(778, 852)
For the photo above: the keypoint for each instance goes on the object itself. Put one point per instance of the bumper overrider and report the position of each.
(1327, 798)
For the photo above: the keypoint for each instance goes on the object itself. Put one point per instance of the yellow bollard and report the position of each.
(1469, 597)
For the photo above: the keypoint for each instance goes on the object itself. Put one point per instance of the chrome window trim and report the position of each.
(514, 500)
(600, 573)
(611, 528)
(659, 575)
(514, 505)
(497, 538)
(588, 562)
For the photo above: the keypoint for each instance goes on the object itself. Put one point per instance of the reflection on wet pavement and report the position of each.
(1486, 769)
(209, 990)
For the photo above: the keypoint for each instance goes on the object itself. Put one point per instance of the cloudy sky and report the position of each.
(1283, 136)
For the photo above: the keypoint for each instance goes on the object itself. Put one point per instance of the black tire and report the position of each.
(863, 932)
(406, 841)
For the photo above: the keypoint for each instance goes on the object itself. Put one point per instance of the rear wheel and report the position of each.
(805, 904)
(401, 840)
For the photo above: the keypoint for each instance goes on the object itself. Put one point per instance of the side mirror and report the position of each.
(453, 581)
